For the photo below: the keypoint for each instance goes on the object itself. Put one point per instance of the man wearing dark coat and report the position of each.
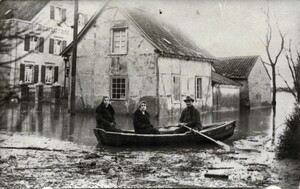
(141, 120)
(190, 117)
(105, 116)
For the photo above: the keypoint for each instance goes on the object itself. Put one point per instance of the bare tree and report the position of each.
(272, 61)
(294, 67)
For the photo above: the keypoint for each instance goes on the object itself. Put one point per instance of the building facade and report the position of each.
(125, 53)
(252, 74)
(35, 33)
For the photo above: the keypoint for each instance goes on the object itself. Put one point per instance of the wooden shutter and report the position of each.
(64, 15)
(27, 43)
(52, 12)
(64, 44)
(36, 74)
(51, 46)
(41, 45)
(22, 72)
(43, 72)
(56, 74)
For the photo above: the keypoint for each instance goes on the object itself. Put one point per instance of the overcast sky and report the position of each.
(232, 27)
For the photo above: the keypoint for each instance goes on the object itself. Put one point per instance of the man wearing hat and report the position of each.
(190, 117)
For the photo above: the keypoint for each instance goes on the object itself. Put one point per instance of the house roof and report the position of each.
(235, 67)
(217, 78)
(21, 9)
(167, 40)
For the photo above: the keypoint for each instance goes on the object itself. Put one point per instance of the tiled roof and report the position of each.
(217, 78)
(166, 39)
(21, 9)
(235, 67)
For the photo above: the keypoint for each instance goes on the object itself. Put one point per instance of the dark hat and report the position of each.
(188, 98)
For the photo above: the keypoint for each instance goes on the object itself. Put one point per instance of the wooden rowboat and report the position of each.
(217, 131)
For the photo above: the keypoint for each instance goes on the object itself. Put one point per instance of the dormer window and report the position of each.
(119, 41)
(57, 13)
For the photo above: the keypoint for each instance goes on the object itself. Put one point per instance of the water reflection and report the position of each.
(53, 121)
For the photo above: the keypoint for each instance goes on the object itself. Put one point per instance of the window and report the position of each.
(49, 73)
(198, 88)
(175, 88)
(57, 13)
(82, 19)
(29, 73)
(34, 43)
(119, 41)
(28, 76)
(56, 46)
(118, 88)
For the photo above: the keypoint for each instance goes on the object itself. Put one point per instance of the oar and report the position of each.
(225, 146)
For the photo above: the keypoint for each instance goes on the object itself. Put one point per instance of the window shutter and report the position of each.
(27, 43)
(56, 74)
(43, 72)
(36, 74)
(64, 44)
(64, 15)
(52, 13)
(41, 45)
(51, 46)
(22, 72)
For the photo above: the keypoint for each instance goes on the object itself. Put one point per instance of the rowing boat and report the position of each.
(217, 131)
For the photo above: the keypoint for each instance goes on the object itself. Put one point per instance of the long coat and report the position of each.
(104, 116)
(141, 123)
(191, 116)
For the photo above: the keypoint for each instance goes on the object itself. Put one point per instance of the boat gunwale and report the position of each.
(210, 128)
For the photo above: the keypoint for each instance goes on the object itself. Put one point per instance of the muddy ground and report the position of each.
(37, 162)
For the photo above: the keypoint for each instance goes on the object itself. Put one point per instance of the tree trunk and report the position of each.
(274, 85)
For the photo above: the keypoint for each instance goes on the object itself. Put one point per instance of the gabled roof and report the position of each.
(235, 67)
(217, 78)
(168, 40)
(21, 9)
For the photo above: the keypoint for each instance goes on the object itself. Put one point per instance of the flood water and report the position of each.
(53, 121)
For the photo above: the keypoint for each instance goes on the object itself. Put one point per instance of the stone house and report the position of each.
(34, 34)
(252, 74)
(127, 54)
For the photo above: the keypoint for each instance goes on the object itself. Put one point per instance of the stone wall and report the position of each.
(96, 66)
(187, 71)
(259, 86)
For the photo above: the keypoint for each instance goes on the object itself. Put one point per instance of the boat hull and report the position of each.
(217, 132)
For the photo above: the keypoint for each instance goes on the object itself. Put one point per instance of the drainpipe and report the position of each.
(157, 85)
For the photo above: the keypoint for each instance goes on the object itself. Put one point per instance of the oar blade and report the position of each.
(226, 147)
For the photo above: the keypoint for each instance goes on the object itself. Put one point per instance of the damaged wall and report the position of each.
(96, 66)
(187, 71)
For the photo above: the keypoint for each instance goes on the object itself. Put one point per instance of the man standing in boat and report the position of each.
(190, 117)
(141, 120)
(105, 116)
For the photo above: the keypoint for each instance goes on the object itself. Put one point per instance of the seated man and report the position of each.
(190, 117)
(141, 120)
